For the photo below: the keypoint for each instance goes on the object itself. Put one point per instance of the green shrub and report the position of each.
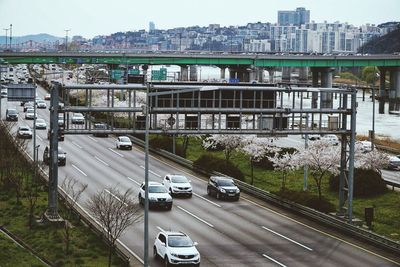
(367, 183)
(211, 163)
(165, 143)
(307, 199)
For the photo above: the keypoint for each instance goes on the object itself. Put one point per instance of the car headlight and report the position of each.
(152, 198)
(174, 187)
(174, 254)
(169, 199)
(237, 190)
(222, 190)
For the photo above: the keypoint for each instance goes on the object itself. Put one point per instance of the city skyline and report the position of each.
(90, 18)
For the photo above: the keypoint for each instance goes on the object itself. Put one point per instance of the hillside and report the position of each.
(40, 38)
(386, 44)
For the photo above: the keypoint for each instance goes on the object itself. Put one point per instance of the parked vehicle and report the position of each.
(158, 196)
(177, 184)
(176, 248)
(222, 187)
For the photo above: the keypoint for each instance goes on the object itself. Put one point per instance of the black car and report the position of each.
(222, 187)
(11, 114)
(100, 126)
(61, 157)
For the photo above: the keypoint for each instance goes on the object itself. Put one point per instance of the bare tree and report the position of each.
(74, 189)
(115, 211)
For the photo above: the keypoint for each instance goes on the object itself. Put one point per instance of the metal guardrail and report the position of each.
(332, 221)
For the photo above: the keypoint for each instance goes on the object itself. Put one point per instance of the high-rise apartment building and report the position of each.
(297, 17)
(152, 26)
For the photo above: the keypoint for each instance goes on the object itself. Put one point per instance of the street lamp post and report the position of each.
(10, 35)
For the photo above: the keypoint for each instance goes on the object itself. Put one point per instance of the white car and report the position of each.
(40, 124)
(30, 114)
(176, 248)
(41, 104)
(24, 132)
(123, 142)
(331, 139)
(177, 184)
(158, 196)
(78, 118)
(365, 146)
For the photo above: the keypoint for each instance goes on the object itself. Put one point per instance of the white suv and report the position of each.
(158, 196)
(176, 248)
(177, 184)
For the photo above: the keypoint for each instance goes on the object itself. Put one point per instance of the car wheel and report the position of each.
(218, 195)
(166, 262)
(169, 207)
(155, 255)
(140, 200)
(190, 195)
(130, 148)
(208, 191)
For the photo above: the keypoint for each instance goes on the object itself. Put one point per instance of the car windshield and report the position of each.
(157, 189)
(40, 121)
(226, 182)
(78, 115)
(24, 128)
(30, 110)
(179, 179)
(61, 151)
(125, 139)
(179, 241)
(99, 126)
(12, 111)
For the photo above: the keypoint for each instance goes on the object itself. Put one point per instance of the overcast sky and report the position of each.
(98, 17)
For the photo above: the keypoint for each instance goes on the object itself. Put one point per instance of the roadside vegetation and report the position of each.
(23, 200)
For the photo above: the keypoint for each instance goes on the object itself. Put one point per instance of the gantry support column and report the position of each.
(286, 74)
(315, 83)
(222, 75)
(271, 73)
(382, 90)
(260, 75)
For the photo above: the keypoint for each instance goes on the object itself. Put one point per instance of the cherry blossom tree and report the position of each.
(229, 142)
(321, 159)
(285, 163)
(256, 149)
(373, 160)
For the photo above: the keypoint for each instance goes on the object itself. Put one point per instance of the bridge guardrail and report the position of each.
(332, 221)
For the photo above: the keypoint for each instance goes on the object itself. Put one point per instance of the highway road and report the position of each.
(243, 233)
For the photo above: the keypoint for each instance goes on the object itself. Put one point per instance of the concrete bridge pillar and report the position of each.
(239, 73)
(394, 92)
(260, 75)
(252, 75)
(193, 73)
(315, 83)
(222, 69)
(286, 74)
(326, 82)
(303, 74)
(184, 73)
(382, 85)
(271, 73)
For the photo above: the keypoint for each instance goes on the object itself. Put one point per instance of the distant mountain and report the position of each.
(40, 38)
(386, 44)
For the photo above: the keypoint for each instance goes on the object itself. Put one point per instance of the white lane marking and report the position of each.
(75, 144)
(156, 174)
(92, 139)
(79, 170)
(133, 180)
(102, 161)
(287, 238)
(159, 228)
(114, 196)
(195, 216)
(40, 138)
(271, 259)
(209, 201)
(115, 152)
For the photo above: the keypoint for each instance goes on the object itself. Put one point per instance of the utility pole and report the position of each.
(66, 39)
